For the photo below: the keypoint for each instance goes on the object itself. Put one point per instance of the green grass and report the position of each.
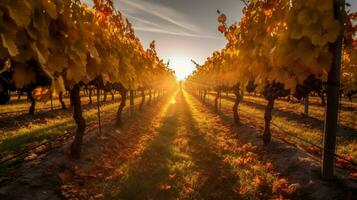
(347, 117)
(24, 105)
(40, 132)
(346, 146)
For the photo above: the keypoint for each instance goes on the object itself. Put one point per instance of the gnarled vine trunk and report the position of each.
(204, 96)
(142, 99)
(122, 92)
(150, 97)
(105, 95)
(60, 98)
(33, 103)
(90, 96)
(306, 105)
(18, 96)
(131, 101)
(216, 100)
(267, 120)
(76, 146)
(239, 96)
(322, 97)
(112, 93)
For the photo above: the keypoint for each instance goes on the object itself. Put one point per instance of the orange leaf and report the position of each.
(165, 187)
(188, 190)
(269, 166)
(99, 196)
(172, 176)
(32, 156)
(258, 181)
(64, 176)
(40, 149)
(354, 175)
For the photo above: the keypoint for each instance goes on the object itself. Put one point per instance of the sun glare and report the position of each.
(182, 66)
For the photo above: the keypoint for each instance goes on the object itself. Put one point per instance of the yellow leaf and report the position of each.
(23, 75)
(41, 54)
(41, 23)
(41, 94)
(50, 8)
(10, 44)
(57, 62)
(75, 72)
(57, 86)
(20, 11)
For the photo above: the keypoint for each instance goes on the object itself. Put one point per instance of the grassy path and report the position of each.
(191, 155)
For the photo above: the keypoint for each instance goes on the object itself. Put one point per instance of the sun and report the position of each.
(182, 66)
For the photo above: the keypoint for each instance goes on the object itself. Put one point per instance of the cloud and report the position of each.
(143, 21)
(156, 18)
(136, 10)
(164, 13)
(183, 34)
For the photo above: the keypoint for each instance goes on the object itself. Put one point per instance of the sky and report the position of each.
(183, 29)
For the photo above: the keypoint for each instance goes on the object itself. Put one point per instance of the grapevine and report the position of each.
(53, 45)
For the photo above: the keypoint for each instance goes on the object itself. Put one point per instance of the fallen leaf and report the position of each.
(258, 182)
(172, 176)
(280, 185)
(188, 190)
(99, 196)
(354, 175)
(32, 156)
(40, 149)
(165, 187)
(268, 166)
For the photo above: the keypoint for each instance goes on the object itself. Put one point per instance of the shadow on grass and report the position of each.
(310, 122)
(46, 130)
(217, 180)
(19, 141)
(145, 175)
(289, 162)
(148, 177)
(11, 122)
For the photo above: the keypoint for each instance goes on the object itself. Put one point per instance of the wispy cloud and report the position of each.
(157, 18)
(143, 21)
(183, 34)
(164, 13)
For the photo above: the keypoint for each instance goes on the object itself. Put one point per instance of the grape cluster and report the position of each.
(251, 86)
(311, 84)
(274, 90)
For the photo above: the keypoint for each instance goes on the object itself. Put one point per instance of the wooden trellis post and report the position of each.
(333, 87)
(98, 111)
